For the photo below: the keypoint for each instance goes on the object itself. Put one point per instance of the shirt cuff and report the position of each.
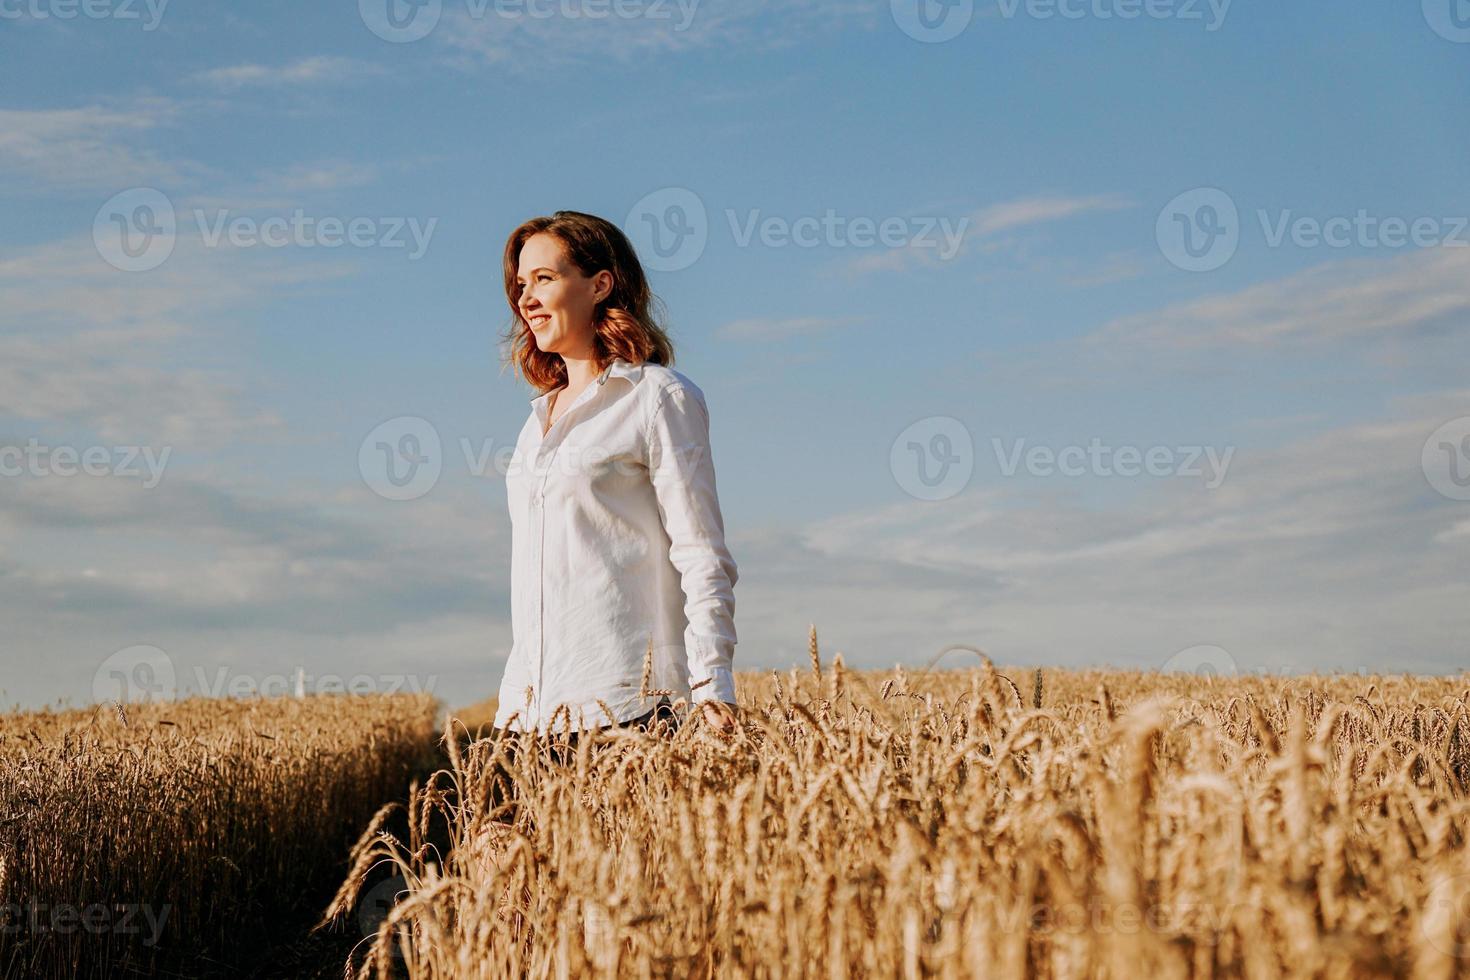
(721, 687)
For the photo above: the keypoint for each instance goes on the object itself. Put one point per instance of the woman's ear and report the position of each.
(602, 285)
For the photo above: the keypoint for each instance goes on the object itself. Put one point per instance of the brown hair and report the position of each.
(626, 324)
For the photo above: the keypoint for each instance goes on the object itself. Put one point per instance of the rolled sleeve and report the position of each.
(682, 469)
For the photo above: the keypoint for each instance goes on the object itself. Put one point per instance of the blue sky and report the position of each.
(1067, 150)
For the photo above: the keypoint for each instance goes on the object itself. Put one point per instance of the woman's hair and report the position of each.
(626, 323)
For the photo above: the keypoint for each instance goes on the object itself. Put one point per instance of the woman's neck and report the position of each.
(581, 371)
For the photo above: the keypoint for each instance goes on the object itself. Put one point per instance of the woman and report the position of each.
(622, 589)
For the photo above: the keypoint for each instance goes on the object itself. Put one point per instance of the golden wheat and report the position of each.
(153, 836)
(933, 824)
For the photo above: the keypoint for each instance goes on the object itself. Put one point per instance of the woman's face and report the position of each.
(557, 300)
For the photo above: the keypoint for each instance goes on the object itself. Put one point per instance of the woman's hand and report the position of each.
(721, 717)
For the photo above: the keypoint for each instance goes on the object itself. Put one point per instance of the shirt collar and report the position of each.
(619, 368)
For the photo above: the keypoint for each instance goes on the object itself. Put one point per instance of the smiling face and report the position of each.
(557, 300)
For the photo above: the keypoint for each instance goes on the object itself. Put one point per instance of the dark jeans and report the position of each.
(502, 787)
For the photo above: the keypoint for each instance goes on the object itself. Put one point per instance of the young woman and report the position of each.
(617, 541)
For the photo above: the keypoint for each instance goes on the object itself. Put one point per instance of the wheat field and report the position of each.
(172, 838)
(986, 822)
(997, 822)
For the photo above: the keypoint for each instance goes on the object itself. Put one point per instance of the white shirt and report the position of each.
(616, 539)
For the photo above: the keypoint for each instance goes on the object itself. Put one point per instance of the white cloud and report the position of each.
(118, 353)
(224, 573)
(1331, 552)
(983, 228)
(91, 147)
(324, 176)
(777, 328)
(510, 34)
(280, 190)
(1037, 210)
(1117, 267)
(1460, 531)
(1335, 301)
(319, 69)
